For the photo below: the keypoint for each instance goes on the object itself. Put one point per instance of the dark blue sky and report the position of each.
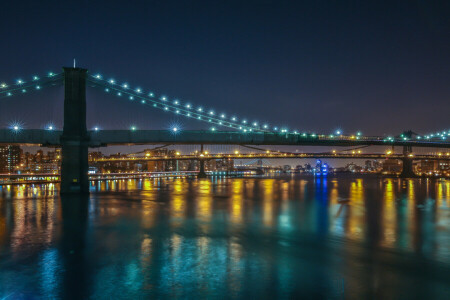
(375, 66)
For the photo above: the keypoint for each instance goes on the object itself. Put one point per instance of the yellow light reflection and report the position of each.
(236, 202)
(204, 203)
(268, 202)
(388, 215)
(356, 223)
(178, 203)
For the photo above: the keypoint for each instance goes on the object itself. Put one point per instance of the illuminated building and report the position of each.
(9, 158)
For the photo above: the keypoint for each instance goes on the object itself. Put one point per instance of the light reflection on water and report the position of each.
(242, 237)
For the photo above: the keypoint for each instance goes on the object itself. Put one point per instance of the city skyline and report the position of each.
(14, 160)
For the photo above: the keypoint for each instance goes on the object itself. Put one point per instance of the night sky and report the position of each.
(376, 66)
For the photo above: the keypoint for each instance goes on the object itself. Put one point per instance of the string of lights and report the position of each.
(185, 109)
(36, 83)
(441, 135)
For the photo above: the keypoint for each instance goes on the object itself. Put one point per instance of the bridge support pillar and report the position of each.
(201, 171)
(75, 138)
(407, 171)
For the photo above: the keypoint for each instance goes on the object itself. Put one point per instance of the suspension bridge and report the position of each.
(75, 139)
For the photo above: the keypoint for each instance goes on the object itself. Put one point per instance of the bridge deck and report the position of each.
(445, 156)
(143, 137)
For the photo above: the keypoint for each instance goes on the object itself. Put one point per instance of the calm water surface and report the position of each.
(255, 238)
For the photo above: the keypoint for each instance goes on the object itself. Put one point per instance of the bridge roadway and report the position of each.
(102, 138)
(444, 156)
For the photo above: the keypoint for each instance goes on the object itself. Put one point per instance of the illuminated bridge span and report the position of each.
(75, 139)
(444, 156)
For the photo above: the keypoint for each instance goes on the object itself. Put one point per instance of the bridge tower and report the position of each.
(75, 138)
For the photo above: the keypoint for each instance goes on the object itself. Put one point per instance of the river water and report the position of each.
(255, 238)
